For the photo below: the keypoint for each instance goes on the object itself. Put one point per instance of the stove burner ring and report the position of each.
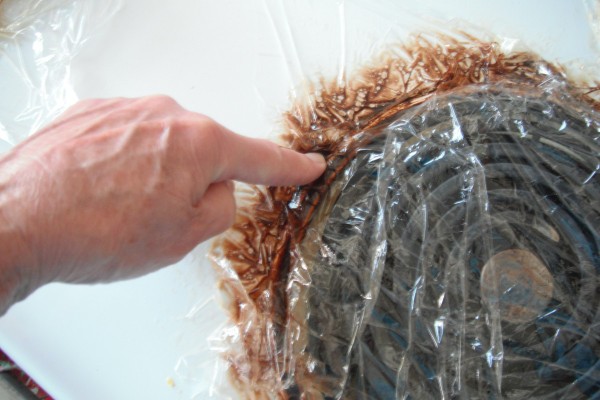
(459, 257)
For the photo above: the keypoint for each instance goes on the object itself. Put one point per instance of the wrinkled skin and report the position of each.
(118, 188)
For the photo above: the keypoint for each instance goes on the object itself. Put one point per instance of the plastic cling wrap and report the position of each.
(451, 250)
(38, 40)
(486, 282)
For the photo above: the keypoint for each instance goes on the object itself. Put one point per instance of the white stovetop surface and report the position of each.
(221, 58)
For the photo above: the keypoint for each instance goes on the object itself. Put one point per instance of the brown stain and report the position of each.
(334, 121)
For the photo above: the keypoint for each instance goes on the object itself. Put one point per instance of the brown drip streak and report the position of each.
(273, 221)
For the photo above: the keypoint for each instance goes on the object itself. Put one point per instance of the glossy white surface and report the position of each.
(224, 59)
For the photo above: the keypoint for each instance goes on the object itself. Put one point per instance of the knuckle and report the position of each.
(213, 141)
(161, 101)
(207, 126)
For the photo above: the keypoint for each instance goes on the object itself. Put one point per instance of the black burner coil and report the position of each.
(457, 256)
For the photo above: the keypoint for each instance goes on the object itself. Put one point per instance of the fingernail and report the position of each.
(316, 158)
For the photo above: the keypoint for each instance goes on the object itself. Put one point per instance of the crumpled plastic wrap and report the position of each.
(460, 257)
(38, 40)
(451, 250)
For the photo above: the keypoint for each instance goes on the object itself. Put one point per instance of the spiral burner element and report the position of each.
(457, 256)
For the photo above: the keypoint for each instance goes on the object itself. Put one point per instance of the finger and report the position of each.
(215, 211)
(263, 162)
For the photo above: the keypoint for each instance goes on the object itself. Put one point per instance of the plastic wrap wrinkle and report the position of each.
(449, 251)
(38, 40)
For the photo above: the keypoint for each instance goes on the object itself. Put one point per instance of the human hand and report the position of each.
(114, 189)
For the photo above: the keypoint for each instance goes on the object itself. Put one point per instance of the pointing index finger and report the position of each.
(263, 162)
